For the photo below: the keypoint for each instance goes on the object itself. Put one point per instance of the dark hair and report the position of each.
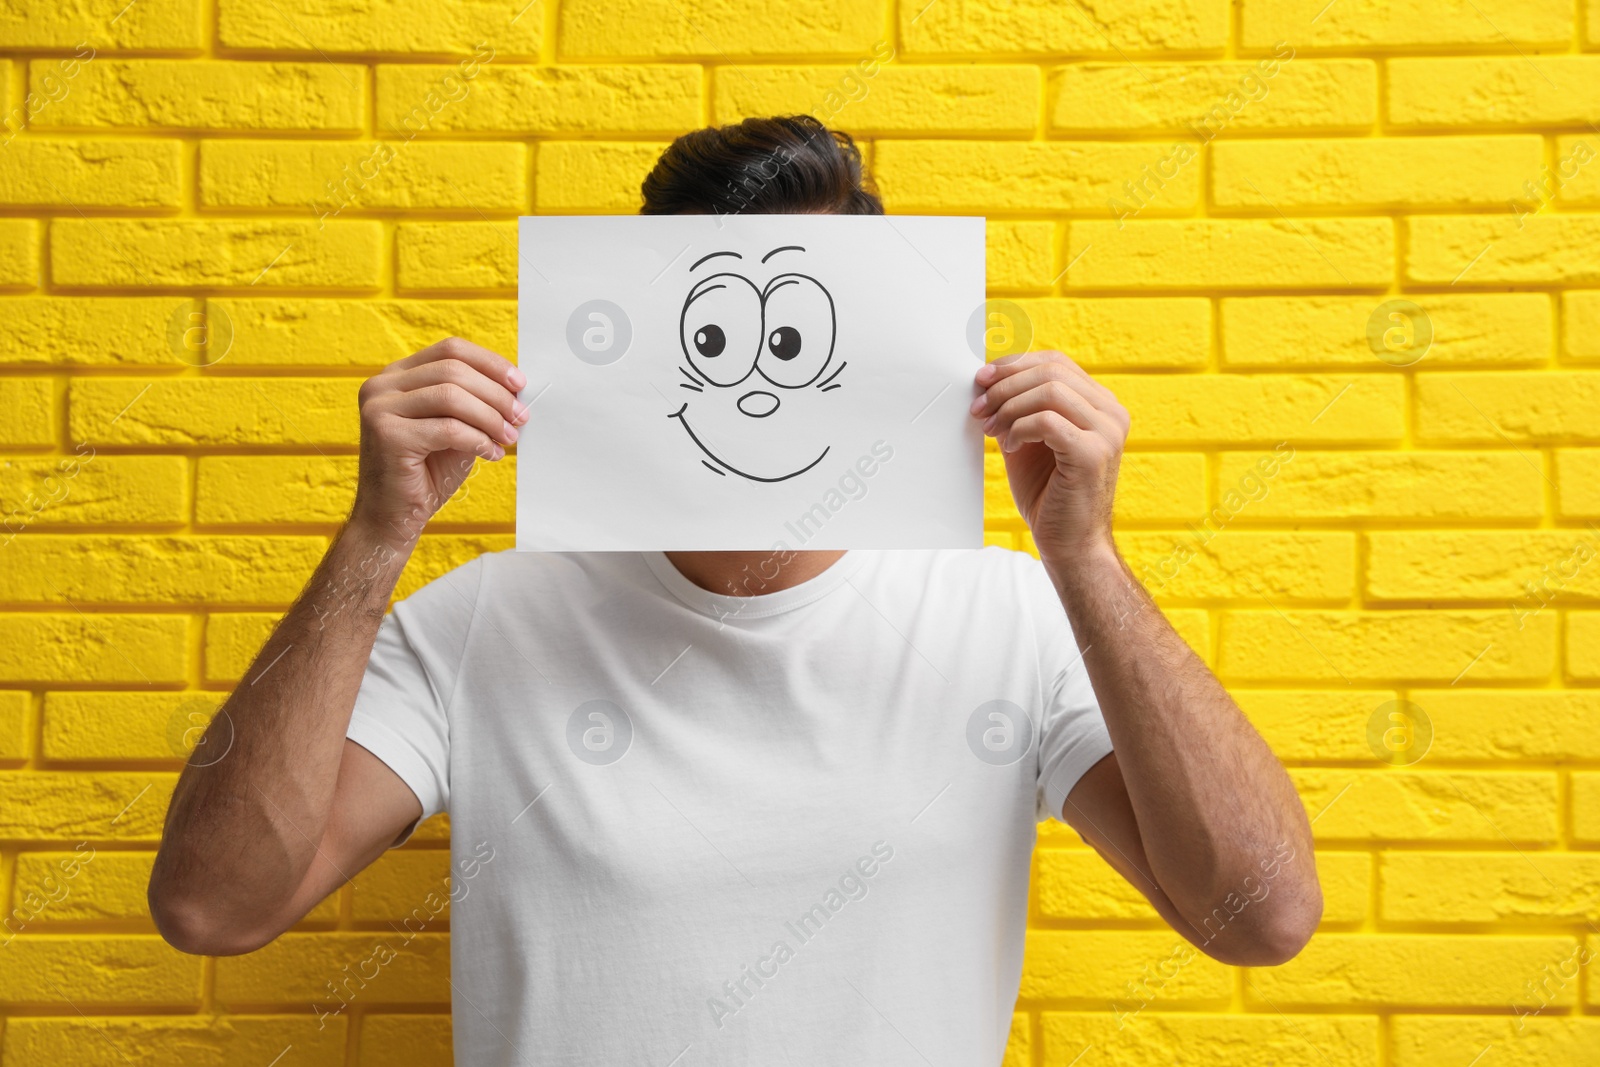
(789, 164)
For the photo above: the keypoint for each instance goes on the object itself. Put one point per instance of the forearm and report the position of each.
(253, 803)
(1218, 817)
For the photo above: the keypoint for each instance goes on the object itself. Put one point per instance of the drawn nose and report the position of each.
(758, 403)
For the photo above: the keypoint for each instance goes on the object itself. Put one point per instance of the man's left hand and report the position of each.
(1061, 433)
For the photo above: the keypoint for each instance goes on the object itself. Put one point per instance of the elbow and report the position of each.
(1274, 935)
(200, 928)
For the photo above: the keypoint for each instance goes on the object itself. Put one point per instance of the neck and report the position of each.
(751, 573)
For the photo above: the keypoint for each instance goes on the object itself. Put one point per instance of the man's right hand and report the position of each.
(424, 419)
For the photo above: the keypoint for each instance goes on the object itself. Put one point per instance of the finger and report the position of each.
(453, 435)
(1010, 379)
(490, 364)
(1049, 428)
(454, 371)
(454, 402)
(1052, 395)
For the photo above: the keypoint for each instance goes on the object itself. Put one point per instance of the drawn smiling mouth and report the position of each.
(725, 465)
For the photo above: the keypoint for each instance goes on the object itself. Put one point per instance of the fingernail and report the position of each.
(499, 453)
(978, 403)
(988, 424)
(519, 412)
(985, 372)
(516, 379)
(510, 432)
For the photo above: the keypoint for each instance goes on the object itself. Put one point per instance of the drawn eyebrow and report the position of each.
(714, 255)
(780, 248)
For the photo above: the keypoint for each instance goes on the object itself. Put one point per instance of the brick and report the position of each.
(1525, 568)
(1352, 646)
(174, 25)
(1368, 172)
(99, 969)
(457, 256)
(1313, 724)
(1493, 91)
(183, 253)
(196, 1041)
(592, 176)
(230, 411)
(1160, 1038)
(891, 99)
(1020, 255)
(1525, 1040)
(1578, 481)
(1391, 486)
(47, 648)
(85, 727)
(437, 555)
(482, 28)
(718, 28)
(1240, 564)
(88, 489)
(1054, 176)
(133, 568)
(1211, 254)
(642, 98)
(318, 489)
(35, 172)
(1117, 333)
(30, 407)
(16, 727)
(90, 330)
(327, 178)
(1038, 26)
(1580, 325)
(1574, 181)
(1406, 24)
(232, 641)
(1583, 645)
(1078, 884)
(1499, 724)
(1411, 969)
(1486, 887)
(296, 331)
(1498, 407)
(412, 883)
(1260, 408)
(19, 254)
(1160, 487)
(1211, 99)
(296, 969)
(1429, 806)
(1307, 331)
(78, 806)
(1586, 804)
(422, 1040)
(1100, 964)
(209, 94)
(1502, 249)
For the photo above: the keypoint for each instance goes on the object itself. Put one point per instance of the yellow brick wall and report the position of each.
(1206, 202)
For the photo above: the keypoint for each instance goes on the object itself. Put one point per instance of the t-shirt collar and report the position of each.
(760, 605)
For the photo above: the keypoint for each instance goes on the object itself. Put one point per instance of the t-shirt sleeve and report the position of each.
(401, 713)
(1072, 731)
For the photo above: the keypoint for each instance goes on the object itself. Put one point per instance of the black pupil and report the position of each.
(710, 341)
(784, 342)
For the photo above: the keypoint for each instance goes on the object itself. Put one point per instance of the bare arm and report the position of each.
(276, 809)
(1192, 807)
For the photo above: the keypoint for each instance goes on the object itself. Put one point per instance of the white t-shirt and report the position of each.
(788, 828)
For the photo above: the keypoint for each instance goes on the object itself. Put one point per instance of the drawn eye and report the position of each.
(798, 326)
(720, 328)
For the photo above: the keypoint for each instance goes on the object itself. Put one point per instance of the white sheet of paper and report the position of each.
(749, 382)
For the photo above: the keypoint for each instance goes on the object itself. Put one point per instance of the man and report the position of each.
(735, 807)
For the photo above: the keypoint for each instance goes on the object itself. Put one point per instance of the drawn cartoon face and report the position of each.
(757, 357)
